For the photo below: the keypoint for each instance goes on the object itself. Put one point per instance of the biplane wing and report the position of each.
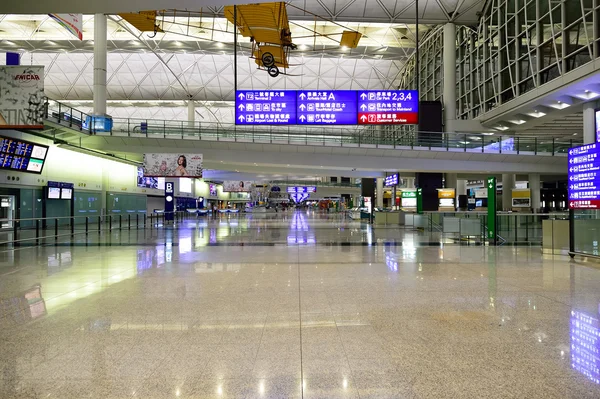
(265, 22)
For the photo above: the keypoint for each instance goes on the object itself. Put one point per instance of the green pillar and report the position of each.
(419, 200)
(491, 217)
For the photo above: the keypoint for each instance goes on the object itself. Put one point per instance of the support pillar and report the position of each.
(534, 187)
(379, 195)
(100, 64)
(589, 128)
(191, 113)
(508, 183)
(449, 88)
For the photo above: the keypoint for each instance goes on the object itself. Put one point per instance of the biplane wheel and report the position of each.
(268, 60)
(273, 71)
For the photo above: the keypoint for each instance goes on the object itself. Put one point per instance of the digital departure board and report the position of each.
(22, 156)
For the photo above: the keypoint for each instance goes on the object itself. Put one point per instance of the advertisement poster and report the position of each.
(22, 98)
(71, 22)
(237, 186)
(172, 165)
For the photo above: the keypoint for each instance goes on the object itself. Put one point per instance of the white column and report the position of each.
(508, 183)
(191, 113)
(449, 62)
(534, 187)
(379, 192)
(99, 64)
(461, 187)
(450, 180)
(589, 128)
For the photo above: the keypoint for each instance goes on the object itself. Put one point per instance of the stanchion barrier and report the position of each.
(15, 233)
(99, 223)
(120, 222)
(129, 221)
(55, 229)
(109, 222)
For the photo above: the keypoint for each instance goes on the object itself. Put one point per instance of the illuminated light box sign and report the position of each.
(385, 107)
(335, 107)
(326, 107)
(265, 107)
(391, 180)
(585, 345)
(302, 190)
(584, 177)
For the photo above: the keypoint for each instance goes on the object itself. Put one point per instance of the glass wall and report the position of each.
(123, 204)
(518, 46)
(587, 232)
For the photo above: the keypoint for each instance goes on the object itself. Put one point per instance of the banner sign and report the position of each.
(22, 98)
(173, 165)
(71, 22)
(584, 177)
(329, 107)
(237, 186)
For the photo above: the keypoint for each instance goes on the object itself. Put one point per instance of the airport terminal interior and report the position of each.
(301, 199)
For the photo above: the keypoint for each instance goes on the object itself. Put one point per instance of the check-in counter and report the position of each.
(555, 236)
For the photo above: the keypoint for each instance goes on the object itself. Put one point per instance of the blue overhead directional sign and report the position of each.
(385, 107)
(333, 107)
(275, 107)
(584, 177)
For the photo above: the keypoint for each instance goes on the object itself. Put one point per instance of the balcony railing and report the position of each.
(387, 137)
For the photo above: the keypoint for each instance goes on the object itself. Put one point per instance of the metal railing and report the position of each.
(345, 136)
(512, 228)
(47, 230)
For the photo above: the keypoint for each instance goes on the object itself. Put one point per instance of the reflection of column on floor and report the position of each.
(508, 183)
(534, 188)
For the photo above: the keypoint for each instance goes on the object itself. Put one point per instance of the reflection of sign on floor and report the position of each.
(585, 345)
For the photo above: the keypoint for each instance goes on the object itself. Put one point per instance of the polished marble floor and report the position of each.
(296, 305)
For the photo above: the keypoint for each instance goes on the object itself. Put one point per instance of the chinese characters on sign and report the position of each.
(329, 107)
(391, 180)
(584, 177)
(388, 107)
(265, 108)
(302, 190)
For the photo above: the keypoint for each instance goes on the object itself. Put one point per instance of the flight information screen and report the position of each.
(23, 156)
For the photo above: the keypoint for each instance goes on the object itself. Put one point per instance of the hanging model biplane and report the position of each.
(268, 28)
(265, 24)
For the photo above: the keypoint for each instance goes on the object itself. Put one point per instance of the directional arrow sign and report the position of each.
(241, 118)
(242, 96)
(302, 107)
(363, 96)
(241, 107)
(363, 107)
(585, 170)
(302, 96)
(302, 118)
(363, 118)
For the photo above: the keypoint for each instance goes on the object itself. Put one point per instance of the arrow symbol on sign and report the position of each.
(570, 161)
(572, 204)
(363, 118)
(242, 107)
(363, 96)
(571, 178)
(302, 96)
(571, 152)
(302, 107)
(363, 107)
(242, 96)
(302, 118)
(241, 118)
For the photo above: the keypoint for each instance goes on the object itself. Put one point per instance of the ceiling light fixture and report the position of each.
(501, 128)
(559, 105)
(220, 45)
(536, 114)
(517, 121)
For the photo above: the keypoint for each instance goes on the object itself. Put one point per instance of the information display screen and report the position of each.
(584, 177)
(66, 193)
(54, 192)
(302, 190)
(22, 156)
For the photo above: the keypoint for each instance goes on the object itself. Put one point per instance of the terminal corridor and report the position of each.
(295, 305)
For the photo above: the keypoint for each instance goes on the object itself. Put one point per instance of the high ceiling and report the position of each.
(384, 11)
(195, 55)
